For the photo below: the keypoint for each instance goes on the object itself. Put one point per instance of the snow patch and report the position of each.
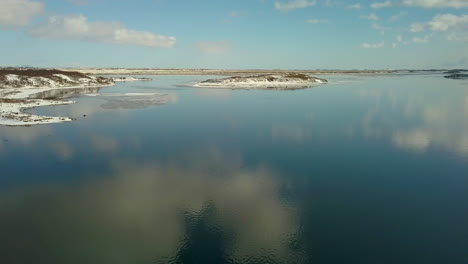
(12, 78)
(63, 76)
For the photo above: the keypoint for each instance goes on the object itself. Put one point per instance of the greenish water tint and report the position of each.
(365, 169)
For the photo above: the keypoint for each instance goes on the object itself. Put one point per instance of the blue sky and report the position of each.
(295, 34)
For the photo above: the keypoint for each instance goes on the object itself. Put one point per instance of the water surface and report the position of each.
(365, 169)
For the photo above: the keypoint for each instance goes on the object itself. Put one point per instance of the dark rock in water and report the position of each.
(458, 76)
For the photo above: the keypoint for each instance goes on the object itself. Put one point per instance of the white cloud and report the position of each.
(456, 27)
(421, 40)
(417, 27)
(436, 3)
(355, 6)
(294, 4)
(77, 27)
(372, 17)
(16, 13)
(218, 47)
(372, 45)
(381, 4)
(315, 21)
(447, 22)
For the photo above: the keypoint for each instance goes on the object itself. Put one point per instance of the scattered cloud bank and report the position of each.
(18, 13)
(294, 4)
(448, 21)
(378, 5)
(217, 47)
(77, 27)
(436, 3)
(423, 3)
(455, 26)
(372, 45)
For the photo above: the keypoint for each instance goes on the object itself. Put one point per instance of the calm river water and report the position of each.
(365, 169)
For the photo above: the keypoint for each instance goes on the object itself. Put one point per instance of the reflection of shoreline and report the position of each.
(146, 211)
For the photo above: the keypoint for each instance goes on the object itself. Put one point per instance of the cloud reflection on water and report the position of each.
(418, 118)
(143, 212)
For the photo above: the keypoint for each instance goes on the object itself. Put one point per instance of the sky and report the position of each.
(235, 34)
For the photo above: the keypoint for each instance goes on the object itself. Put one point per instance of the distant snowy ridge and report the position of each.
(278, 81)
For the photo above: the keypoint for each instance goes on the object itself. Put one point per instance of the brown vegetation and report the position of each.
(31, 72)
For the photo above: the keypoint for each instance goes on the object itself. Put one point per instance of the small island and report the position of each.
(457, 76)
(281, 81)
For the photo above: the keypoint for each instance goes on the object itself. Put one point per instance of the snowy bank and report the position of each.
(19, 87)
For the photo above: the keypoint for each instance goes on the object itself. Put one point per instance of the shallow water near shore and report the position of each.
(364, 169)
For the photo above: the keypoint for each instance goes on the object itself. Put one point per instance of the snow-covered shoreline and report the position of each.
(18, 87)
(12, 112)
